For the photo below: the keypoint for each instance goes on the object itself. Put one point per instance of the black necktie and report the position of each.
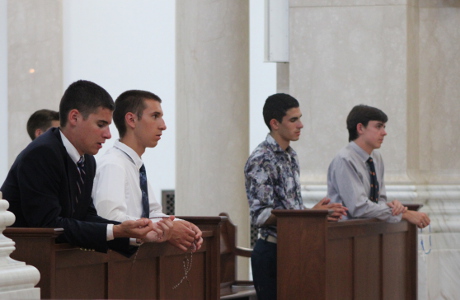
(374, 194)
(145, 193)
(81, 177)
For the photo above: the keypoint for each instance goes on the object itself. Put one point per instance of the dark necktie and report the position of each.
(145, 193)
(374, 194)
(82, 175)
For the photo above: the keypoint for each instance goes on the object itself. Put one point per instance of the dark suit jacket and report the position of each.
(41, 188)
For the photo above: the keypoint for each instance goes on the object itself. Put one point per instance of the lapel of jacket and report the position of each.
(71, 170)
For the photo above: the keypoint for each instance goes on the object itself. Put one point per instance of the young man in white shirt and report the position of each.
(117, 191)
(356, 175)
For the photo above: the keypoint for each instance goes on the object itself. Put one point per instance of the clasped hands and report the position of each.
(181, 234)
(420, 219)
(338, 210)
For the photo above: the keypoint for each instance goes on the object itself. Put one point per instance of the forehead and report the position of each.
(152, 106)
(376, 122)
(101, 114)
(293, 112)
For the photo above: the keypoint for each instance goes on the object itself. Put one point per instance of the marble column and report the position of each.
(212, 105)
(35, 65)
(403, 57)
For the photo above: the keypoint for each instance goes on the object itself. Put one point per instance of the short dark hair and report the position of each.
(363, 114)
(130, 101)
(276, 107)
(85, 96)
(41, 119)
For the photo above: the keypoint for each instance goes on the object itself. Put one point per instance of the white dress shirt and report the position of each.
(75, 156)
(348, 182)
(116, 191)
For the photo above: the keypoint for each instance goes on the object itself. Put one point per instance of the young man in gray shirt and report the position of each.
(356, 175)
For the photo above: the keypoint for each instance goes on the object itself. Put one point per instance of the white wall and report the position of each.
(123, 45)
(262, 75)
(3, 92)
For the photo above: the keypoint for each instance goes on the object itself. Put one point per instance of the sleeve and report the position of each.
(43, 184)
(155, 207)
(259, 190)
(345, 185)
(109, 192)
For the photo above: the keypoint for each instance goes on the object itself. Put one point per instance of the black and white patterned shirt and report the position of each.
(272, 182)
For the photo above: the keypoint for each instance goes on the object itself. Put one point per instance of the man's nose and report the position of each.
(106, 134)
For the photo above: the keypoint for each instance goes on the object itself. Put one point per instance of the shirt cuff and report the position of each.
(110, 232)
(133, 242)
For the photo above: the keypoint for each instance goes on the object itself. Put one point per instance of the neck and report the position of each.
(71, 137)
(131, 142)
(281, 142)
(364, 146)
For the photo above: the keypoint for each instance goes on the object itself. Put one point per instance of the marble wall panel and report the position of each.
(440, 92)
(34, 64)
(341, 57)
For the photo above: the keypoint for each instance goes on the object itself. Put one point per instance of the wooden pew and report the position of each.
(70, 272)
(230, 287)
(355, 259)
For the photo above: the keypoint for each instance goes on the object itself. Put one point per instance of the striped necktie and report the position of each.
(374, 194)
(145, 193)
(82, 175)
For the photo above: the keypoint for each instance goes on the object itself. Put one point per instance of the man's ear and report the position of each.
(130, 120)
(72, 116)
(274, 124)
(38, 132)
(360, 128)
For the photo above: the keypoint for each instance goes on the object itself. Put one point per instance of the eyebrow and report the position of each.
(156, 113)
(295, 118)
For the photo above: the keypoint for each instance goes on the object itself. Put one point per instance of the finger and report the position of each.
(325, 200)
(141, 232)
(170, 218)
(335, 206)
(321, 202)
(182, 247)
(333, 219)
(159, 231)
(167, 222)
(336, 214)
(163, 225)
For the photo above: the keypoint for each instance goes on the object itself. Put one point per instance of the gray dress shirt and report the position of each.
(348, 182)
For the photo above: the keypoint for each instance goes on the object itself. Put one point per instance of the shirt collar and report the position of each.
(134, 157)
(276, 147)
(363, 154)
(70, 148)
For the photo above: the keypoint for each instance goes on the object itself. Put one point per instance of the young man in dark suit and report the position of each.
(50, 182)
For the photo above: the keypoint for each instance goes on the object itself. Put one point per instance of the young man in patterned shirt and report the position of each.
(272, 182)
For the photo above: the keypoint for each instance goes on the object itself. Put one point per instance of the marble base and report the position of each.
(26, 293)
(438, 271)
(17, 280)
